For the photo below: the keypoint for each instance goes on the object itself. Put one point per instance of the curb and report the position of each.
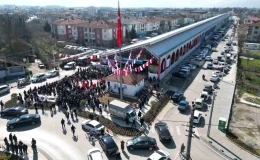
(42, 151)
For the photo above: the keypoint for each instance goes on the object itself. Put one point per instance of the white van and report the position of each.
(70, 65)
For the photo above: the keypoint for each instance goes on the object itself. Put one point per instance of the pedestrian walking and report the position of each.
(16, 149)
(34, 147)
(122, 145)
(7, 146)
(67, 115)
(73, 129)
(72, 116)
(20, 147)
(11, 137)
(62, 123)
(42, 107)
(15, 139)
(139, 114)
(12, 147)
(75, 112)
(5, 140)
(25, 149)
(133, 124)
(142, 122)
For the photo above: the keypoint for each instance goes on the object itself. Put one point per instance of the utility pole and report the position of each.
(190, 132)
(210, 117)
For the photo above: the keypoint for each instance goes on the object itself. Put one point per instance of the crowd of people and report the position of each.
(18, 147)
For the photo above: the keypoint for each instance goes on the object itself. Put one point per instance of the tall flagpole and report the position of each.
(119, 41)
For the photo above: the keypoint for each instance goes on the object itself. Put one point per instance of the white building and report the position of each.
(132, 84)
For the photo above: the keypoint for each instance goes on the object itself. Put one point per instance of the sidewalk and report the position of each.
(41, 155)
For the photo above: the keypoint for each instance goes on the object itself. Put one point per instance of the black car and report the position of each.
(26, 119)
(142, 142)
(14, 111)
(180, 75)
(108, 145)
(177, 97)
(163, 132)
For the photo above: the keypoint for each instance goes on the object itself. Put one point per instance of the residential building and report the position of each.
(253, 34)
(251, 20)
(98, 32)
(53, 16)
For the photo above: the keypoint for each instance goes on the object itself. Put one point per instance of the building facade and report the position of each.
(253, 34)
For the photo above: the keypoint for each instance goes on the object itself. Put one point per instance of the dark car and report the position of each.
(14, 111)
(180, 75)
(26, 119)
(209, 66)
(183, 105)
(108, 145)
(141, 142)
(163, 132)
(177, 97)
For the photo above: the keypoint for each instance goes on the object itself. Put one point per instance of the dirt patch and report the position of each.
(245, 125)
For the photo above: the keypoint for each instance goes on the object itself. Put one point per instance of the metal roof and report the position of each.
(163, 43)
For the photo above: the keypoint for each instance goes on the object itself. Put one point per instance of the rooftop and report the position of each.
(68, 21)
(131, 79)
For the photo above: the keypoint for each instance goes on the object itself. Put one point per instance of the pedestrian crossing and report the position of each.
(177, 130)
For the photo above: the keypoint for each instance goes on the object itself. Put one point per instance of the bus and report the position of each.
(83, 61)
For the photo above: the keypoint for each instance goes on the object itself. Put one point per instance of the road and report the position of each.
(62, 145)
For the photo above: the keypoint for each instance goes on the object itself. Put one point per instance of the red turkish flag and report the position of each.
(119, 32)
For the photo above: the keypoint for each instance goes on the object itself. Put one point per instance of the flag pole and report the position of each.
(121, 77)
(119, 42)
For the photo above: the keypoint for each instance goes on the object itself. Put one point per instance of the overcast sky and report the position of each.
(139, 3)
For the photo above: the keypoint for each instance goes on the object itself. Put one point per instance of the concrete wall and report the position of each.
(127, 89)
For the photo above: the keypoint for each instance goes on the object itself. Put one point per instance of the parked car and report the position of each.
(52, 73)
(199, 103)
(23, 82)
(214, 78)
(92, 125)
(159, 155)
(108, 145)
(41, 66)
(180, 75)
(4, 89)
(208, 58)
(183, 105)
(95, 154)
(205, 95)
(38, 78)
(24, 120)
(163, 132)
(141, 142)
(177, 97)
(218, 73)
(208, 88)
(14, 111)
(70, 65)
(197, 117)
(210, 66)
(215, 61)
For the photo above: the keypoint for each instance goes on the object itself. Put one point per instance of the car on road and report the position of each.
(95, 154)
(208, 88)
(177, 97)
(214, 78)
(210, 66)
(163, 132)
(208, 58)
(24, 120)
(205, 95)
(192, 66)
(108, 145)
(92, 125)
(41, 66)
(4, 89)
(218, 73)
(70, 65)
(215, 61)
(14, 111)
(183, 105)
(141, 142)
(199, 103)
(197, 117)
(159, 155)
(38, 78)
(52, 73)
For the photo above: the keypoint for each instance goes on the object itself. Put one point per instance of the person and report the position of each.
(139, 114)
(118, 156)
(142, 122)
(15, 138)
(133, 124)
(25, 149)
(203, 76)
(5, 140)
(122, 145)
(62, 123)
(182, 148)
(42, 107)
(67, 115)
(12, 147)
(20, 147)
(16, 149)
(34, 147)
(72, 116)
(73, 129)
(75, 112)
(10, 137)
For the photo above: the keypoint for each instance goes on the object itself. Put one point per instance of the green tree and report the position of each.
(133, 33)
(47, 27)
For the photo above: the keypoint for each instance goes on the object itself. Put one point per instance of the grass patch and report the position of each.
(246, 63)
(9, 156)
(253, 53)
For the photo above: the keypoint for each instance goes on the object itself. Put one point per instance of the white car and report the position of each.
(218, 73)
(4, 89)
(214, 78)
(92, 125)
(38, 78)
(95, 154)
(159, 155)
(70, 65)
(199, 103)
(53, 73)
(197, 117)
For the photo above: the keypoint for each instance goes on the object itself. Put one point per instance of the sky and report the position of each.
(139, 3)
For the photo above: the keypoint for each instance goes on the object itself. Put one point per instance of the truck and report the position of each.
(122, 110)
